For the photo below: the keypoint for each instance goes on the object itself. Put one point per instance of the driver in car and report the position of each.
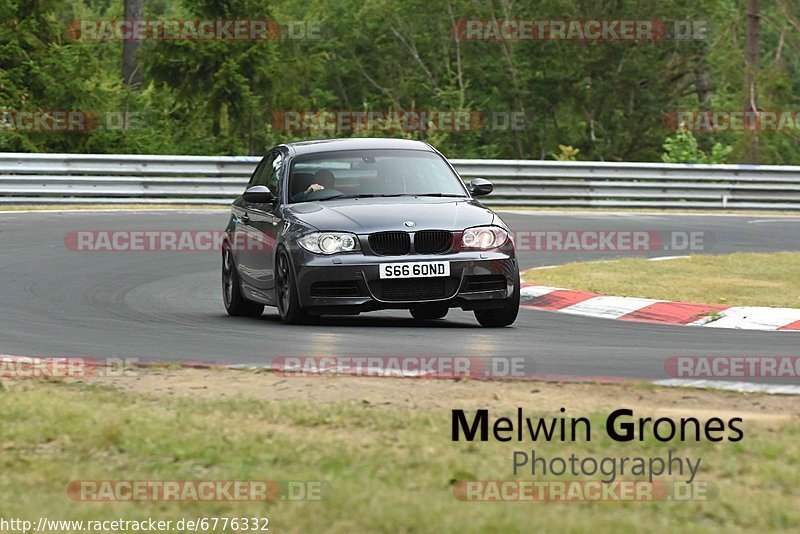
(322, 176)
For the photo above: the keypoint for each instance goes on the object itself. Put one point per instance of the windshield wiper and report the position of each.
(387, 195)
(377, 196)
(332, 197)
(438, 195)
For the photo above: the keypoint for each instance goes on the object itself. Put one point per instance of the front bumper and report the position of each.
(350, 283)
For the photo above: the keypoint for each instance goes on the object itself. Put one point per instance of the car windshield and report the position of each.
(371, 173)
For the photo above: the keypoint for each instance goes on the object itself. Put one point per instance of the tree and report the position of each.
(751, 59)
(131, 75)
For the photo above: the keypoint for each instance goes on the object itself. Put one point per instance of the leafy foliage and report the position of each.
(606, 100)
(683, 148)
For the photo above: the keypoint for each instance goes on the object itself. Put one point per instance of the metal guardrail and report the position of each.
(118, 179)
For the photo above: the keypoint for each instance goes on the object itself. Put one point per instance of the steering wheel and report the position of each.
(323, 194)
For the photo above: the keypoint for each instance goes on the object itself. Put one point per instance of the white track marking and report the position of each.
(703, 321)
(741, 387)
(756, 318)
(668, 258)
(608, 307)
(532, 292)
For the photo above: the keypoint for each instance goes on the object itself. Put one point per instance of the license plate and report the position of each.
(420, 269)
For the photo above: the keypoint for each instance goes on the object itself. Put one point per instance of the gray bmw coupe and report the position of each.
(352, 225)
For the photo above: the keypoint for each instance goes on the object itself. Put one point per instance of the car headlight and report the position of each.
(484, 237)
(329, 242)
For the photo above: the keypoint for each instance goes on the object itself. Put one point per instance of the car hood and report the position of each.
(362, 216)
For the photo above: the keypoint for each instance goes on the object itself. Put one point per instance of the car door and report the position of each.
(261, 225)
(241, 226)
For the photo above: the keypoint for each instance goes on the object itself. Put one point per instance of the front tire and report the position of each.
(286, 295)
(500, 317)
(235, 303)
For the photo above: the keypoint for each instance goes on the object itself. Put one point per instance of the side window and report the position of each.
(253, 176)
(263, 171)
(273, 173)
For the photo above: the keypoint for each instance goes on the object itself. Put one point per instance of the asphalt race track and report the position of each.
(167, 306)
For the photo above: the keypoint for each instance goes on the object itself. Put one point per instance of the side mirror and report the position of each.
(480, 187)
(258, 194)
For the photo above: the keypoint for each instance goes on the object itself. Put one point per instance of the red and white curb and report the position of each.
(658, 311)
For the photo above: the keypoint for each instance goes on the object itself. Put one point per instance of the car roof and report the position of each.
(356, 143)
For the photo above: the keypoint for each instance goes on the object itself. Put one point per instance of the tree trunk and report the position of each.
(751, 59)
(702, 85)
(131, 75)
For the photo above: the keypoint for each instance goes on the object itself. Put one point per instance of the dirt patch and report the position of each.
(413, 394)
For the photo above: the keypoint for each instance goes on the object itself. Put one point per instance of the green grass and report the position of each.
(741, 279)
(387, 469)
